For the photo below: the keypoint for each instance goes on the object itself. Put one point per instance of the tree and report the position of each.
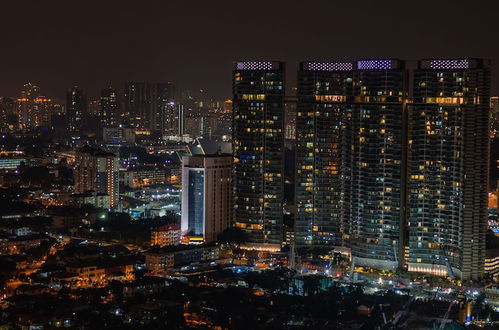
(42, 250)
(36, 176)
(8, 268)
(491, 240)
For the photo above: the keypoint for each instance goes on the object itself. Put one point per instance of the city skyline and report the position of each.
(259, 165)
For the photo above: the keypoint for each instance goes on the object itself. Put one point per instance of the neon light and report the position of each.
(450, 64)
(374, 65)
(329, 66)
(255, 66)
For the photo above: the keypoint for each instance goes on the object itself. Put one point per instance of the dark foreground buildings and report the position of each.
(396, 173)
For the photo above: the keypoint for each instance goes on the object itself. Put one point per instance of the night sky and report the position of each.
(60, 43)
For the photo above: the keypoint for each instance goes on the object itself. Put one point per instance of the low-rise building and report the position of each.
(100, 269)
(18, 244)
(99, 200)
(167, 258)
(492, 263)
(143, 177)
(165, 235)
(145, 285)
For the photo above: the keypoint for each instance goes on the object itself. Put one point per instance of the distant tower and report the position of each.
(25, 105)
(97, 170)
(164, 117)
(76, 109)
(138, 105)
(109, 105)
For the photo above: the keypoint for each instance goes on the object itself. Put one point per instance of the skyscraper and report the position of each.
(109, 104)
(258, 150)
(323, 90)
(378, 138)
(138, 105)
(25, 106)
(449, 167)
(97, 170)
(76, 109)
(165, 116)
(151, 107)
(206, 195)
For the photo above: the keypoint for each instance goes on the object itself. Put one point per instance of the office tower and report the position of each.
(449, 167)
(165, 116)
(76, 109)
(109, 105)
(43, 109)
(97, 170)
(320, 142)
(258, 150)
(138, 105)
(377, 140)
(206, 196)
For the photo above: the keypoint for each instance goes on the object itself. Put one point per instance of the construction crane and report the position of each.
(446, 316)
(450, 272)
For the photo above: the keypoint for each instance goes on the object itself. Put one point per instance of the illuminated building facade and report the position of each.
(258, 150)
(150, 107)
(33, 110)
(449, 167)
(166, 235)
(76, 108)
(165, 114)
(138, 105)
(144, 177)
(377, 133)
(109, 105)
(97, 170)
(206, 196)
(323, 90)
